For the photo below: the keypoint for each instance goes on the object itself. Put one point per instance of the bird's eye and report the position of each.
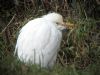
(57, 23)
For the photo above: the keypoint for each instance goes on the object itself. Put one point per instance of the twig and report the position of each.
(8, 24)
(61, 61)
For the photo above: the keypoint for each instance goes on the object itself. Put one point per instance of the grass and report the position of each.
(11, 66)
(79, 54)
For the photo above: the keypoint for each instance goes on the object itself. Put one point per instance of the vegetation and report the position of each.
(80, 48)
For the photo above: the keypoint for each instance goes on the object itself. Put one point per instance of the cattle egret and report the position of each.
(39, 40)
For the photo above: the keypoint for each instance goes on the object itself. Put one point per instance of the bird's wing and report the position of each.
(34, 35)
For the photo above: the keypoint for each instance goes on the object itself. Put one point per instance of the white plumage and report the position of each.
(39, 40)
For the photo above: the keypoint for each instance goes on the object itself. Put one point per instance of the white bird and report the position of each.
(39, 40)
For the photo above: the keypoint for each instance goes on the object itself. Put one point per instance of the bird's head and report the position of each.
(57, 19)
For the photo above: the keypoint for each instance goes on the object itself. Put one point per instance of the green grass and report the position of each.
(11, 66)
(81, 52)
